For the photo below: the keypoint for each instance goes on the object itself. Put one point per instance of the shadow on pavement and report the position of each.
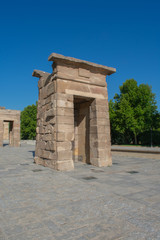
(33, 153)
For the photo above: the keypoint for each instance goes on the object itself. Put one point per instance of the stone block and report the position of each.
(50, 113)
(98, 130)
(99, 122)
(48, 137)
(48, 129)
(98, 144)
(39, 152)
(38, 137)
(101, 102)
(40, 130)
(64, 104)
(43, 93)
(48, 155)
(60, 136)
(65, 112)
(100, 136)
(50, 145)
(102, 153)
(69, 136)
(63, 155)
(64, 97)
(39, 160)
(49, 99)
(50, 163)
(63, 146)
(50, 89)
(64, 165)
(64, 128)
(97, 114)
(84, 72)
(99, 91)
(41, 82)
(65, 120)
(41, 145)
(100, 163)
(99, 108)
(63, 85)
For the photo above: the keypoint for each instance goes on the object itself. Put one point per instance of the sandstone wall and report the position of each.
(61, 136)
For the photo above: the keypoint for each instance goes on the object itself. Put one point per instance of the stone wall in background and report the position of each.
(10, 127)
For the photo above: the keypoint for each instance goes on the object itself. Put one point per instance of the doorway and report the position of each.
(81, 144)
(7, 133)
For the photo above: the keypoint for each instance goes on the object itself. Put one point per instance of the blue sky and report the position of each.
(120, 34)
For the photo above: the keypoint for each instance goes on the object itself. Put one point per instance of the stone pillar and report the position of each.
(1, 133)
(64, 131)
(100, 142)
(16, 132)
(6, 131)
(45, 139)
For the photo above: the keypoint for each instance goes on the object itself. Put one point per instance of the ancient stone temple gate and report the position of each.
(73, 118)
(10, 127)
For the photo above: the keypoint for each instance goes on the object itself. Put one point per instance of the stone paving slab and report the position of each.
(38, 203)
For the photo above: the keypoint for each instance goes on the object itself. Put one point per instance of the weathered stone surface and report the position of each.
(66, 128)
(47, 137)
(64, 104)
(96, 114)
(65, 120)
(51, 145)
(63, 155)
(41, 145)
(64, 165)
(64, 136)
(60, 58)
(99, 121)
(72, 118)
(64, 112)
(62, 146)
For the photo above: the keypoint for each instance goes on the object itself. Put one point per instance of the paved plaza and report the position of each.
(118, 202)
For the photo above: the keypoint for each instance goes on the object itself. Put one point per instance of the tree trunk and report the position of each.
(135, 139)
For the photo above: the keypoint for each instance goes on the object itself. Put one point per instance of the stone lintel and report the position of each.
(39, 74)
(9, 112)
(57, 58)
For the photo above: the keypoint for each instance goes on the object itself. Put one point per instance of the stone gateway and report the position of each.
(73, 117)
(10, 127)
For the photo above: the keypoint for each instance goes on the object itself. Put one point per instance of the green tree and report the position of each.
(28, 122)
(134, 110)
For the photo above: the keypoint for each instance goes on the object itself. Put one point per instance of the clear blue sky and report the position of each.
(120, 34)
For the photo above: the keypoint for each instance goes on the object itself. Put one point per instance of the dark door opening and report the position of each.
(81, 146)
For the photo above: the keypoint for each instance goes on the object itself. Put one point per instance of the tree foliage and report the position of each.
(133, 111)
(28, 122)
